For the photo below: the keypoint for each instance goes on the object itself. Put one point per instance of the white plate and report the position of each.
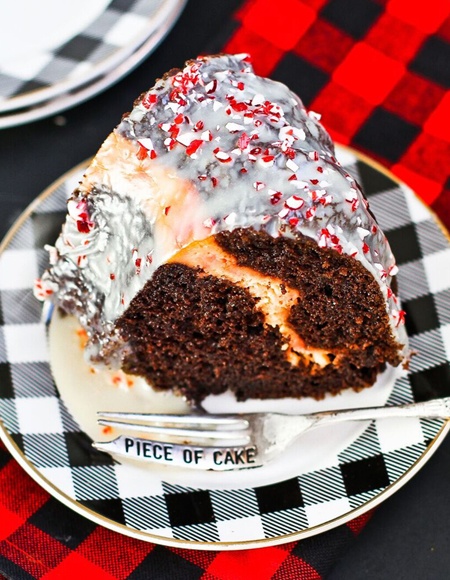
(330, 476)
(60, 47)
(78, 96)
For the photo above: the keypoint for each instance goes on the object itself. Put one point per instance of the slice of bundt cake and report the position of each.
(216, 243)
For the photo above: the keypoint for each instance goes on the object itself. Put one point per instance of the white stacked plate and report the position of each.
(56, 55)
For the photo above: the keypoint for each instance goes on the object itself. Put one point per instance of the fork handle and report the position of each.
(436, 408)
(176, 455)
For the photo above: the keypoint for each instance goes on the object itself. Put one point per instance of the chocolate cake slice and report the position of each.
(215, 243)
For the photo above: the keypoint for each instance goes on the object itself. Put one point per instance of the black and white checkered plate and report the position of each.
(327, 488)
(102, 43)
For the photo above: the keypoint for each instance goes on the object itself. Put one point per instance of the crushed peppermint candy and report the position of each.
(275, 197)
(209, 223)
(222, 156)
(258, 185)
(234, 127)
(294, 202)
(291, 165)
(193, 146)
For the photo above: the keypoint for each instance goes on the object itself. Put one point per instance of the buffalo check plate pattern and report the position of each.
(103, 44)
(47, 441)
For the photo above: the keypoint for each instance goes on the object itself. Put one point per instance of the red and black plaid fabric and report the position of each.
(41, 538)
(378, 72)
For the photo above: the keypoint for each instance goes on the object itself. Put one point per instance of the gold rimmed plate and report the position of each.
(47, 393)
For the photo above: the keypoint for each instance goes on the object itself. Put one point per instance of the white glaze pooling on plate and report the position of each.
(85, 393)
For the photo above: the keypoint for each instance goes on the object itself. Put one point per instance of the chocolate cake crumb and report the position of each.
(200, 334)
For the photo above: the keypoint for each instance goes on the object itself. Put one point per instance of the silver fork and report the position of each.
(226, 442)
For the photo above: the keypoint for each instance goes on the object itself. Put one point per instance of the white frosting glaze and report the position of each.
(208, 149)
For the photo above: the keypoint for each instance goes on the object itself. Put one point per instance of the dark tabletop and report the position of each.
(409, 534)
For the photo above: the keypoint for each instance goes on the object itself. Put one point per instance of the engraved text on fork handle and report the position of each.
(214, 458)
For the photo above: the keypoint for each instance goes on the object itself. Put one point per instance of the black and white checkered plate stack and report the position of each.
(47, 441)
(97, 49)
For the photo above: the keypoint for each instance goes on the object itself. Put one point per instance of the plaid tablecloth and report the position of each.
(378, 72)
